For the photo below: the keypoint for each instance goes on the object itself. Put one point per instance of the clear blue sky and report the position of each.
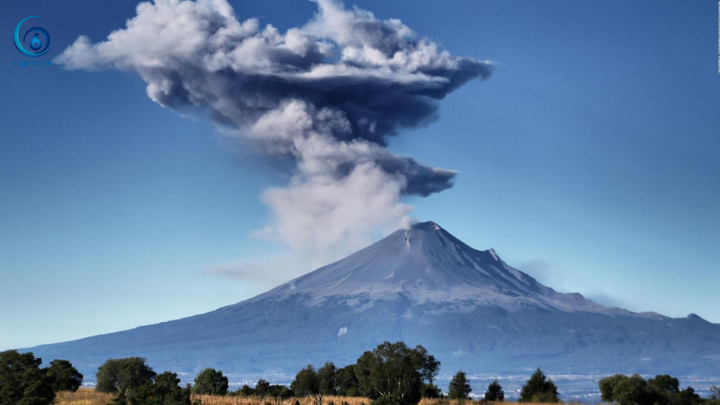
(590, 160)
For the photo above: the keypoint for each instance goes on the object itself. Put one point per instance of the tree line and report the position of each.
(24, 382)
(390, 374)
(661, 390)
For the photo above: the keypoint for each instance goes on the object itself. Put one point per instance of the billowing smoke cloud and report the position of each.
(328, 94)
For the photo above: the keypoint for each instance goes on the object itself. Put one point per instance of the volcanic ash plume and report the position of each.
(328, 94)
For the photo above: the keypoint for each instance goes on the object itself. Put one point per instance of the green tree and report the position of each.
(430, 365)
(122, 376)
(607, 386)
(279, 392)
(686, 397)
(430, 390)
(210, 382)
(539, 389)
(635, 390)
(262, 388)
(307, 383)
(459, 387)
(665, 390)
(245, 391)
(347, 382)
(328, 379)
(64, 376)
(495, 392)
(22, 381)
(664, 384)
(163, 391)
(662, 389)
(393, 373)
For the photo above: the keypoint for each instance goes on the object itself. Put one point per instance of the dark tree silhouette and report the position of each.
(164, 391)
(394, 373)
(459, 387)
(64, 376)
(245, 391)
(121, 376)
(262, 388)
(22, 381)
(495, 392)
(328, 379)
(635, 390)
(430, 390)
(539, 389)
(210, 382)
(347, 382)
(307, 383)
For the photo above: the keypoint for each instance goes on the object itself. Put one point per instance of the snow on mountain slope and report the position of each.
(426, 264)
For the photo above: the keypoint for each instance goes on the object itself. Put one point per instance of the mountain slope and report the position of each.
(426, 264)
(422, 286)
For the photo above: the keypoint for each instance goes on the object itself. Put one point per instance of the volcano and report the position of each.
(421, 286)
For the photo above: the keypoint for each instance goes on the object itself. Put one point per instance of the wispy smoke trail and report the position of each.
(327, 94)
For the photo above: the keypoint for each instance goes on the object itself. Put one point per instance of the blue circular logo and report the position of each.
(36, 38)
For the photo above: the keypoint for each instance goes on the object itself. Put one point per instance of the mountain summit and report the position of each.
(426, 264)
(423, 286)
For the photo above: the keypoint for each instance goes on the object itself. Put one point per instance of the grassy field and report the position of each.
(229, 400)
(85, 396)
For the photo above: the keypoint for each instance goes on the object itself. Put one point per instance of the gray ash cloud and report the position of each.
(328, 94)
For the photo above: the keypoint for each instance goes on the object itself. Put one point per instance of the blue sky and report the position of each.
(589, 160)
